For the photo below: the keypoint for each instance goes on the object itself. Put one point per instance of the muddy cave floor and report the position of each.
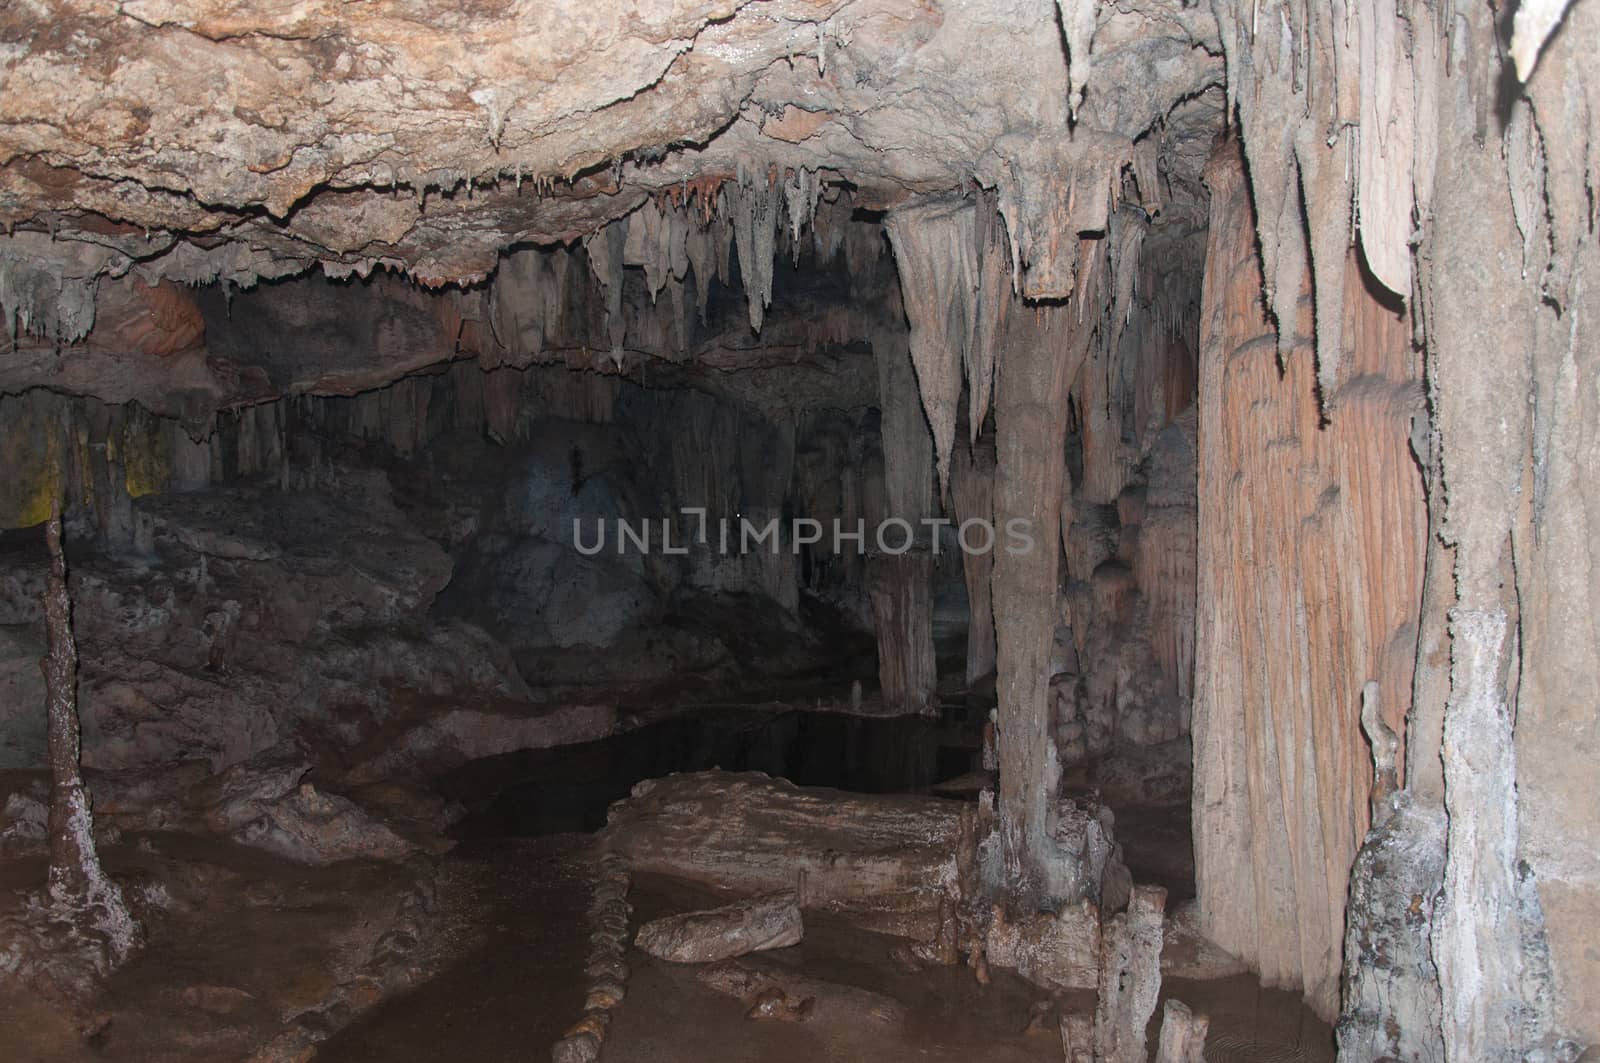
(476, 951)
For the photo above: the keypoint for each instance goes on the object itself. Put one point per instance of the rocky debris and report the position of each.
(776, 1005)
(455, 736)
(24, 822)
(1130, 977)
(607, 969)
(773, 992)
(1183, 1034)
(217, 999)
(755, 925)
(313, 827)
(885, 862)
(267, 803)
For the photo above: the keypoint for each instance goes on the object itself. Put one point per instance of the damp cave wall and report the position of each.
(479, 472)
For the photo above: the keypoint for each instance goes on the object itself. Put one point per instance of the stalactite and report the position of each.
(1350, 131)
(700, 249)
(753, 204)
(1535, 21)
(47, 292)
(990, 302)
(935, 248)
(1053, 189)
(1384, 175)
(1077, 19)
(605, 250)
(800, 190)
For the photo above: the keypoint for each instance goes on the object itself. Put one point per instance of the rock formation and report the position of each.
(723, 933)
(421, 388)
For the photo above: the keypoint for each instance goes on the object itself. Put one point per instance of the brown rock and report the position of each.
(771, 922)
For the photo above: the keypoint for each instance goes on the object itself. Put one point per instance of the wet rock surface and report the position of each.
(885, 860)
(769, 922)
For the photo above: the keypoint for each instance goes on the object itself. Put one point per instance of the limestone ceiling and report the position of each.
(195, 141)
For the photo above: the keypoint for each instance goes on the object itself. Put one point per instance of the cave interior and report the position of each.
(800, 530)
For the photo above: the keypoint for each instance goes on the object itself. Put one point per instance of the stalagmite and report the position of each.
(1390, 985)
(1488, 930)
(1183, 1034)
(1130, 977)
(1077, 1038)
(327, 343)
(77, 883)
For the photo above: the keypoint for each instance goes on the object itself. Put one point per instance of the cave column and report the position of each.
(1041, 353)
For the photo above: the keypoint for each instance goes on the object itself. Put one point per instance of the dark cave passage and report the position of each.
(549, 791)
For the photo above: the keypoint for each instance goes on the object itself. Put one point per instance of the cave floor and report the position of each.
(251, 957)
(245, 953)
(516, 912)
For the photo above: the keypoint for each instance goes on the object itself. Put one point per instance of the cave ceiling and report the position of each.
(149, 146)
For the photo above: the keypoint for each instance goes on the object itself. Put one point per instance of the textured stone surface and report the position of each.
(1390, 993)
(1311, 543)
(888, 861)
(364, 138)
(1130, 977)
(770, 922)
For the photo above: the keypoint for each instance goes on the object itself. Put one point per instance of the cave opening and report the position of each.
(1014, 529)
